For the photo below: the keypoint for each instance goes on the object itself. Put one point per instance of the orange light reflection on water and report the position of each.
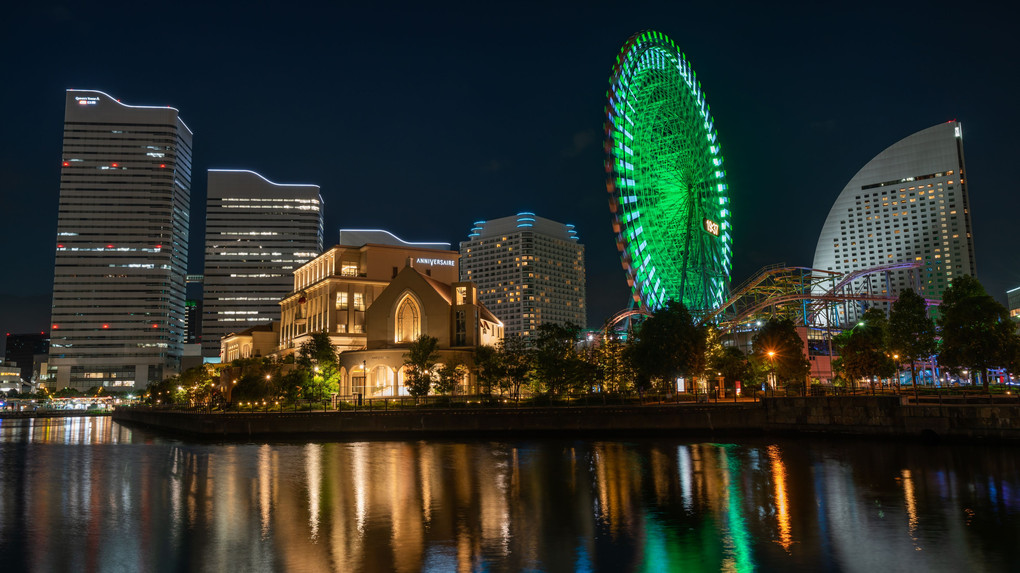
(782, 503)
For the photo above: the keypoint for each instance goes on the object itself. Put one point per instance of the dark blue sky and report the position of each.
(422, 120)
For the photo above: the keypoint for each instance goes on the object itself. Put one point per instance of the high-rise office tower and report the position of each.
(257, 232)
(122, 243)
(907, 205)
(529, 271)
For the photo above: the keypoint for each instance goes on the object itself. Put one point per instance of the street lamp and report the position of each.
(772, 369)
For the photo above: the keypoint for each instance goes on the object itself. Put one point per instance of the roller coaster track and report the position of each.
(779, 285)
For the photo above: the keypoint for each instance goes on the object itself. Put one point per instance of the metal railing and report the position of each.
(997, 394)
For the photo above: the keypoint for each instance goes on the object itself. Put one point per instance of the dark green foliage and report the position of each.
(976, 330)
(420, 360)
(488, 363)
(515, 364)
(193, 386)
(556, 363)
(668, 345)
(254, 386)
(732, 365)
(293, 384)
(318, 350)
(448, 377)
(779, 336)
(911, 333)
(862, 349)
(323, 383)
(67, 393)
(613, 372)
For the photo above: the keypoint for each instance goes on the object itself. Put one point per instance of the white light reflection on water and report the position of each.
(685, 469)
(265, 487)
(359, 459)
(149, 504)
(313, 472)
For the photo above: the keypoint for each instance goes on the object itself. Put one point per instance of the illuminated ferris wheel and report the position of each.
(666, 177)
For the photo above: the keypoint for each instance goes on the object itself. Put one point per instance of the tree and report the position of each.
(420, 361)
(612, 369)
(449, 377)
(292, 384)
(732, 365)
(976, 330)
(487, 361)
(911, 330)
(324, 382)
(777, 348)
(862, 349)
(515, 363)
(317, 350)
(254, 385)
(668, 345)
(554, 356)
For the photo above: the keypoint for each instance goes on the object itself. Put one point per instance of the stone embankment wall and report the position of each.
(860, 415)
(457, 422)
(887, 416)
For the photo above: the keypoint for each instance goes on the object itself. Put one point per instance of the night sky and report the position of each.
(422, 120)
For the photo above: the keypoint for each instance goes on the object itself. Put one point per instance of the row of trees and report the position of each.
(315, 376)
(667, 346)
(973, 332)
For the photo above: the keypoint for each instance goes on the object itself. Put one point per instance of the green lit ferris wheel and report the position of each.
(666, 177)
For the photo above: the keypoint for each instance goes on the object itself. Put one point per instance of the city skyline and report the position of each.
(424, 145)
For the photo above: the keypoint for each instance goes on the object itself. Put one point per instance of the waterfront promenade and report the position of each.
(887, 416)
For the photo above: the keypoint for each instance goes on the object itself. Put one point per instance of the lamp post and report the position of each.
(896, 358)
(772, 370)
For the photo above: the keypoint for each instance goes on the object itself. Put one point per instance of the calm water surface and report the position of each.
(87, 494)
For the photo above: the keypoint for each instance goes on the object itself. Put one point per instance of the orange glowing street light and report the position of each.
(772, 366)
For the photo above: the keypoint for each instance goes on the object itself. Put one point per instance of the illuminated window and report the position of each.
(408, 323)
(341, 300)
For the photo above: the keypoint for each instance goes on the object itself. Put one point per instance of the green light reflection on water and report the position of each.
(667, 549)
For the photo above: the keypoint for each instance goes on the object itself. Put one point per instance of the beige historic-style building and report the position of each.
(259, 340)
(413, 304)
(333, 292)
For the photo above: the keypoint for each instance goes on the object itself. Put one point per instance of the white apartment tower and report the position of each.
(908, 204)
(122, 243)
(257, 233)
(529, 271)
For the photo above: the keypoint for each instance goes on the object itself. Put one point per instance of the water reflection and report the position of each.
(123, 499)
(782, 506)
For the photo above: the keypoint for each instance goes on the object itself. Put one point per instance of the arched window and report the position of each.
(408, 327)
